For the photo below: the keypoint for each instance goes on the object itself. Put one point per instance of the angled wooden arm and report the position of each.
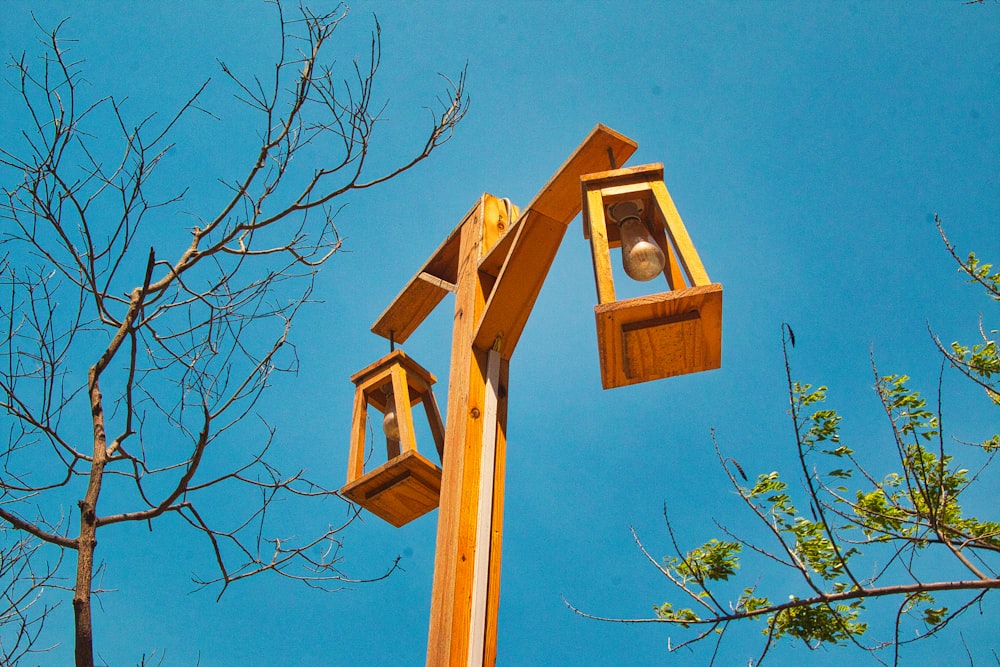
(423, 293)
(536, 237)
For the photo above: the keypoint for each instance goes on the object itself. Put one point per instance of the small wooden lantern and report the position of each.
(407, 486)
(660, 335)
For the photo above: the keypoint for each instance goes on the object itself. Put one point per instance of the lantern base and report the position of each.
(659, 336)
(399, 491)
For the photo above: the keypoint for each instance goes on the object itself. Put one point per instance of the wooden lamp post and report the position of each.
(495, 262)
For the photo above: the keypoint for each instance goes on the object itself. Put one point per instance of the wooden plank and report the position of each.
(660, 335)
(434, 419)
(672, 271)
(496, 538)
(417, 300)
(512, 300)
(425, 290)
(404, 409)
(559, 199)
(539, 232)
(465, 506)
(436, 282)
(448, 632)
(687, 254)
(484, 514)
(359, 420)
(400, 490)
(594, 220)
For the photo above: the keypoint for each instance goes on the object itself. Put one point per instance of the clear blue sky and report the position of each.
(807, 147)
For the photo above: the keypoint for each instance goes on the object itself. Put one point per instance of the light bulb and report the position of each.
(390, 425)
(641, 256)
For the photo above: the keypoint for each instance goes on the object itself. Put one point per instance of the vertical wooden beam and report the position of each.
(447, 555)
(678, 234)
(484, 513)
(468, 540)
(356, 462)
(496, 537)
(597, 228)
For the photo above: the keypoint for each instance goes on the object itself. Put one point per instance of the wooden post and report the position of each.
(495, 266)
(465, 600)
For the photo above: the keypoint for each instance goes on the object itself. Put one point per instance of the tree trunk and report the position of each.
(87, 541)
(84, 579)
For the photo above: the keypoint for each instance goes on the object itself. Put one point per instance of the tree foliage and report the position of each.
(139, 336)
(850, 535)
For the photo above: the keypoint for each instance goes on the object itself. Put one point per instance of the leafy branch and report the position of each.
(854, 536)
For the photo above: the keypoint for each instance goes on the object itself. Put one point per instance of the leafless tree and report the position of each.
(135, 350)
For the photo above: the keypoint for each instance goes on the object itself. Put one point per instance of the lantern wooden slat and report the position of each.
(408, 485)
(660, 335)
(400, 490)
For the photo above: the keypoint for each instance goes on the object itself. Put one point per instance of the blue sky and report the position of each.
(807, 147)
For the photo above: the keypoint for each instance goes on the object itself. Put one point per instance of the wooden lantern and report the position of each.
(660, 335)
(407, 486)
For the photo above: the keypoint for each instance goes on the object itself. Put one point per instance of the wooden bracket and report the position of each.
(536, 237)
(437, 277)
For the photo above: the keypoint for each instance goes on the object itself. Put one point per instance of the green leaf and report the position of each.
(935, 616)
(713, 561)
(820, 623)
(683, 617)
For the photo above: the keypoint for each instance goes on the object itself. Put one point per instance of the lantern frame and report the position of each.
(407, 485)
(660, 335)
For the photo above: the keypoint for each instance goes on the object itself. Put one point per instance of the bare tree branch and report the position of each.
(127, 364)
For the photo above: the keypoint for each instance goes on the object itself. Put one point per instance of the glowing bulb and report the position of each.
(390, 425)
(641, 256)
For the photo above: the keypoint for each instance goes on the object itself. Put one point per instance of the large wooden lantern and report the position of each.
(407, 486)
(660, 335)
